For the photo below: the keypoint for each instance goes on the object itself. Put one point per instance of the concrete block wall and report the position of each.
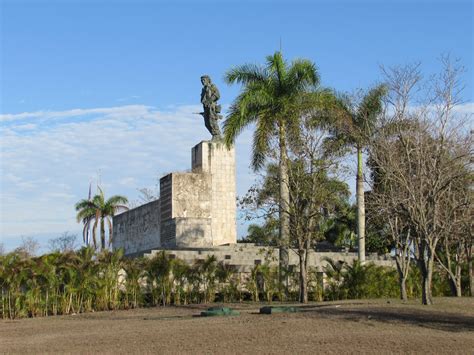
(244, 256)
(193, 232)
(186, 213)
(138, 229)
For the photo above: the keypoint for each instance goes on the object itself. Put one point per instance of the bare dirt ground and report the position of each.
(367, 326)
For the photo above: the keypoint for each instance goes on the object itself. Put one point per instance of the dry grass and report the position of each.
(368, 326)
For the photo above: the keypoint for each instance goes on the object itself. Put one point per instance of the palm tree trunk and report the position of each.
(284, 212)
(360, 206)
(102, 233)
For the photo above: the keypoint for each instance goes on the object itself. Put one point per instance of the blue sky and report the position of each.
(110, 86)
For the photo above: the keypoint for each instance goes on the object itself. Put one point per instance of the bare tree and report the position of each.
(402, 83)
(469, 248)
(66, 242)
(29, 246)
(2, 249)
(422, 154)
(396, 229)
(456, 242)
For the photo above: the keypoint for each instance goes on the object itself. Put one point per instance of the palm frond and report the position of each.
(85, 213)
(335, 145)
(370, 107)
(245, 110)
(116, 199)
(119, 208)
(261, 140)
(277, 67)
(84, 204)
(302, 75)
(246, 74)
(98, 201)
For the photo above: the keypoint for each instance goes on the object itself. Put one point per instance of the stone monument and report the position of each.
(198, 208)
(195, 209)
(194, 217)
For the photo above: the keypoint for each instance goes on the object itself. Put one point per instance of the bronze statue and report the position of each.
(211, 114)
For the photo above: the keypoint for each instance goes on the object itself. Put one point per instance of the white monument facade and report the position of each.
(196, 209)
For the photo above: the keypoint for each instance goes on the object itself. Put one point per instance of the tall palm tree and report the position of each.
(352, 127)
(272, 98)
(97, 211)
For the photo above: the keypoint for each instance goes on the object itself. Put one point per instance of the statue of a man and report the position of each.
(211, 114)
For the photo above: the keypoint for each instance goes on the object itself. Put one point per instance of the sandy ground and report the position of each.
(372, 326)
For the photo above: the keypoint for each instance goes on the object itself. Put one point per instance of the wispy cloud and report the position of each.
(117, 112)
(26, 127)
(465, 109)
(128, 98)
(48, 159)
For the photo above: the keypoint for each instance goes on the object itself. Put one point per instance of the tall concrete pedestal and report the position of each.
(198, 208)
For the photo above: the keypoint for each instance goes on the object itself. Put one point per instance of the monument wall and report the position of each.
(138, 229)
(244, 256)
(196, 209)
(215, 159)
(186, 210)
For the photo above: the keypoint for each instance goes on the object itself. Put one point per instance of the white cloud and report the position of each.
(116, 112)
(128, 98)
(465, 109)
(48, 159)
(128, 181)
(26, 127)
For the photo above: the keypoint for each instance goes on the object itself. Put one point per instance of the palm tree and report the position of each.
(224, 273)
(160, 269)
(340, 228)
(352, 127)
(273, 98)
(97, 211)
(208, 272)
(334, 270)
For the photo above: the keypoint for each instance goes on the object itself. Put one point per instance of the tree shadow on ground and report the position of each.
(428, 319)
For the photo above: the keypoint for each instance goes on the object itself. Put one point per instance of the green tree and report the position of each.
(224, 273)
(181, 272)
(208, 269)
(314, 192)
(262, 235)
(159, 269)
(341, 226)
(272, 98)
(352, 125)
(97, 211)
(135, 281)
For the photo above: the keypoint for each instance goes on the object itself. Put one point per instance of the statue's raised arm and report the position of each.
(211, 110)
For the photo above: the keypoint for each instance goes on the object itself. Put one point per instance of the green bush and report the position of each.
(356, 281)
(85, 281)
